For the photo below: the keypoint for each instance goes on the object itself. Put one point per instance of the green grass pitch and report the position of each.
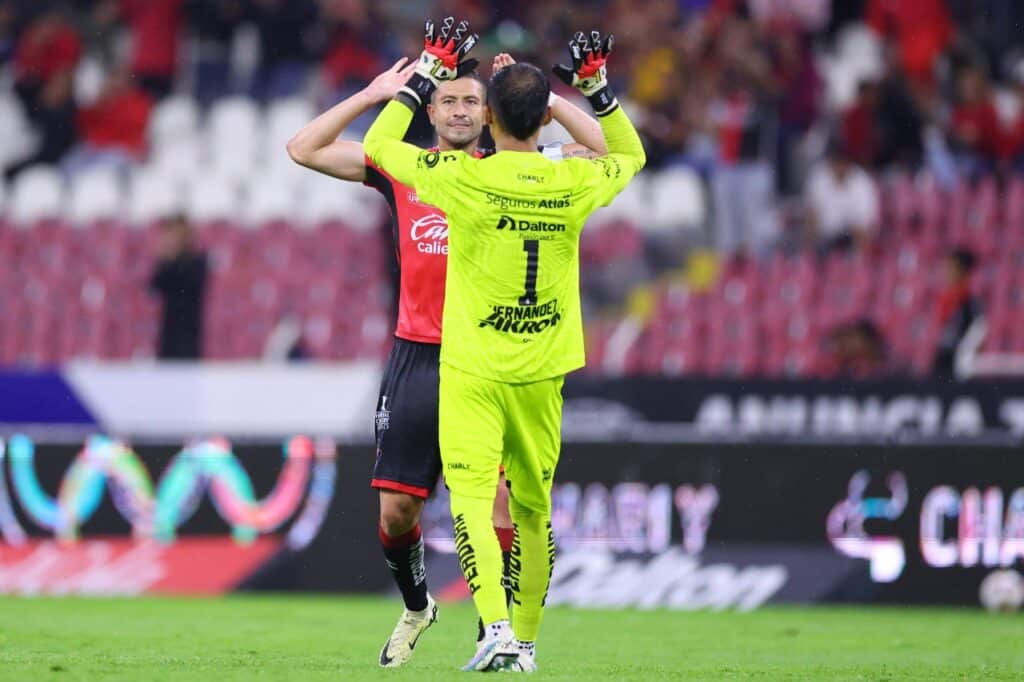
(337, 638)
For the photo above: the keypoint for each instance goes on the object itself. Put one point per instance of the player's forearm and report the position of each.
(622, 138)
(581, 126)
(322, 131)
(383, 142)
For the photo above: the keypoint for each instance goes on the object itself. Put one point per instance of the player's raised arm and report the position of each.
(588, 74)
(443, 58)
(584, 130)
(317, 145)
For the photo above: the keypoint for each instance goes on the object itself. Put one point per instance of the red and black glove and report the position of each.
(443, 59)
(588, 72)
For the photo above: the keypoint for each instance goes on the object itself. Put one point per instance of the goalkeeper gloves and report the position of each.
(443, 59)
(588, 72)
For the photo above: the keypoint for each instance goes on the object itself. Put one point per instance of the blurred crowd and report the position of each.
(751, 93)
(791, 111)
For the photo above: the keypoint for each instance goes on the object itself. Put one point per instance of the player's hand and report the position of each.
(588, 72)
(387, 84)
(443, 57)
(501, 61)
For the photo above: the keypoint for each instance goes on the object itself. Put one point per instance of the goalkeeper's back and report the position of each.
(512, 303)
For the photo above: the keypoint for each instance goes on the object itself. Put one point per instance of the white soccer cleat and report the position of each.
(525, 662)
(493, 655)
(400, 646)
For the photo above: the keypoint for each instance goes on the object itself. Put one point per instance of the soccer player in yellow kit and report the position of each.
(512, 324)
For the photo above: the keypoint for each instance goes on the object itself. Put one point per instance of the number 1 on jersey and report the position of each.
(532, 249)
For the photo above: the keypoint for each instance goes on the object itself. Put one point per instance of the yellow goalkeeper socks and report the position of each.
(533, 556)
(479, 555)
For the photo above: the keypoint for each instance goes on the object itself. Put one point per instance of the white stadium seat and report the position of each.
(268, 199)
(178, 159)
(677, 201)
(37, 194)
(154, 195)
(284, 118)
(212, 198)
(327, 199)
(95, 195)
(232, 133)
(632, 204)
(175, 118)
(18, 138)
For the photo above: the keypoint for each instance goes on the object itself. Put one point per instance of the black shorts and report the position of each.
(405, 425)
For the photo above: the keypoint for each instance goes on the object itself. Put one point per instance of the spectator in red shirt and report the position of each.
(922, 29)
(113, 128)
(49, 47)
(860, 132)
(975, 128)
(155, 27)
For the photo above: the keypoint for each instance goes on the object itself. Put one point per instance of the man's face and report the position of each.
(457, 112)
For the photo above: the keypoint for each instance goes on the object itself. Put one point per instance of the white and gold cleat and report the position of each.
(402, 643)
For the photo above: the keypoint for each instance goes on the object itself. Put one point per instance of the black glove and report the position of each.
(443, 59)
(588, 72)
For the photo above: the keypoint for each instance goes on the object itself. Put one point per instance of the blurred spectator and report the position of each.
(286, 31)
(49, 47)
(800, 87)
(112, 129)
(861, 132)
(975, 128)
(921, 30)
(1015, 129)
(353, 55)
(957, 310)
(7, 21)
(213, 23)
(53, 119)
(743, 117)
(856, 350)
(842, 203)
(155, 26)
(898, 121)
(180, 280)
(805, 15)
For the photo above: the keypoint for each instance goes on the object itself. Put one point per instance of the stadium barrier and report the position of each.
(677, 525)
(269, 401)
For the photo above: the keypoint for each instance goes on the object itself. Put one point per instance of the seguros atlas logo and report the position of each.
(430, 234)
(507, 222)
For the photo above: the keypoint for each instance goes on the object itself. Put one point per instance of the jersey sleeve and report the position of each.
(406, 163)
(611, 173)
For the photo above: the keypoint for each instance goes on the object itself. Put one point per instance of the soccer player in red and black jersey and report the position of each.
(406, 425)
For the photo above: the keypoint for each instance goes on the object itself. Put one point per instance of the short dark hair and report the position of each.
(518, 97)
(472, 75)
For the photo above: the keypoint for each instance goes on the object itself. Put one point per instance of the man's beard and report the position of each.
(460, 137)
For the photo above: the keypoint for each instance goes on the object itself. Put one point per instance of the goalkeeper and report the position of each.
(512, 325)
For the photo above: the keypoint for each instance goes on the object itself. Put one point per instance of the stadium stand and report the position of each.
(286, 243)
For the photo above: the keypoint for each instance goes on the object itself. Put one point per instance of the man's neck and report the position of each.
(508, 143)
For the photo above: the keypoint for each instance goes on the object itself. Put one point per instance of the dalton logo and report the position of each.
(509, 223)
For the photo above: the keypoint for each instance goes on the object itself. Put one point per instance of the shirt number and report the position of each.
(532, 249)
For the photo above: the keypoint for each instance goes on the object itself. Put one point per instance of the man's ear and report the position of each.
(488, 118)
(430, 113)
(547, 116)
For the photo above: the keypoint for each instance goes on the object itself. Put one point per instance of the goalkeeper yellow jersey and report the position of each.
(512, 295)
